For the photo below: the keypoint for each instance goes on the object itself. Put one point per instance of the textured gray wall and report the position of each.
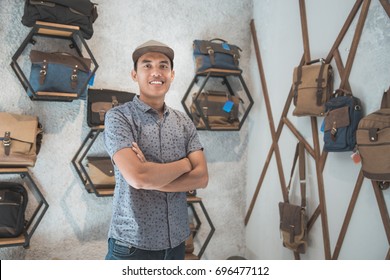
(76, 223)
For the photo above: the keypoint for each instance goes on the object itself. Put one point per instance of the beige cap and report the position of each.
(152, 46)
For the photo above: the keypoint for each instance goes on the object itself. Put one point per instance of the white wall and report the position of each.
(76, 223)
(280, 38)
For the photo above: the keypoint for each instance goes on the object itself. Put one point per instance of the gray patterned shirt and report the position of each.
(146, 219)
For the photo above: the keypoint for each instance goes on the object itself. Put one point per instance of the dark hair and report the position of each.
(135, 64)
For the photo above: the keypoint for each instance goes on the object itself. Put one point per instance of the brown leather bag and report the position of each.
(102, 100)
(20, 137)
(373, 142)
(211, 104)
(313, 86)
(101, 172)
(293, 218)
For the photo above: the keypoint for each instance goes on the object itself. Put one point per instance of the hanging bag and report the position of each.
(313, 86)
(293, 218)
(343, 113)
(373, 142)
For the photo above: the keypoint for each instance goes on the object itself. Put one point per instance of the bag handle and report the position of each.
(75, 57)
(218, 39)
(341, 92)
(315, 61)
(386, 99)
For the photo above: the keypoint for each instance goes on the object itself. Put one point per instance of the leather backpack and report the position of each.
(373, 142)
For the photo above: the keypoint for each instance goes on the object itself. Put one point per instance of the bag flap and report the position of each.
(379, 119)
(217, 97)
(203, 47)
(103, 164)
(82, 6)
(310, 75)
(290, 217)
(337, 118)
(22, 127)
(82, 63)
(98, 107)
(43, 3)
(106, 95)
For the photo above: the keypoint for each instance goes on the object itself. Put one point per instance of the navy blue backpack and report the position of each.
(343, 112)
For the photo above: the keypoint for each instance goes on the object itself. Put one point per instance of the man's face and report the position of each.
(154, 75)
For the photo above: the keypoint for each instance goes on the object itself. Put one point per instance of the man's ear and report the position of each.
(133, 75)
(172, 74)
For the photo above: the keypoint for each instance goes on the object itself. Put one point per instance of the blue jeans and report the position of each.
(118, 250)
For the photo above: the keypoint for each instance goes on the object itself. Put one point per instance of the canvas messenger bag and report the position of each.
(20, 139)
(215, 54)
(373, 142)
(313, 86)
(215, 110)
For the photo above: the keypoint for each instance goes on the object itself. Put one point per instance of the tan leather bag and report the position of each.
(373, 142)
(313, 86)
(20, 137)
(211, 103)
(293, 218)
(101, 172)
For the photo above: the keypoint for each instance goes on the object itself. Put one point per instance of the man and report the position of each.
(158, 158)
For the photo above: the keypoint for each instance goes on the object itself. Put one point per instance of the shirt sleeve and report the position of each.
(118, 132)
(194, 143)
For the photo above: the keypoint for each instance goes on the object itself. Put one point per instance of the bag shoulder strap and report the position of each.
(302, 173)
(299, 154)
(292, 170)
(386, 99)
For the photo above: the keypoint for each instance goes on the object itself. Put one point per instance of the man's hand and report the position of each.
(138, 152)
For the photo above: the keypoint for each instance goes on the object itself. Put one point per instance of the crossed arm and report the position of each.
(179, 176)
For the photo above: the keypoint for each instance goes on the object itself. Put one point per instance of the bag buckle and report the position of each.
(74, 77)
(210, 51)
(43, 72)
(333, 132)
(114, 101)
(7, 142)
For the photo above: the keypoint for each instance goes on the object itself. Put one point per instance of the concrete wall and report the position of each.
(76, 223)
(280, 38)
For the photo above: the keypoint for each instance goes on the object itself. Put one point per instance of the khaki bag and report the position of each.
(20, 137)
(101, 172)
(211, 104)
(313, 86)
(373, 142)
(293, 218)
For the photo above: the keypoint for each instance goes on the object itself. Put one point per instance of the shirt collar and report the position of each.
(146, 108)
